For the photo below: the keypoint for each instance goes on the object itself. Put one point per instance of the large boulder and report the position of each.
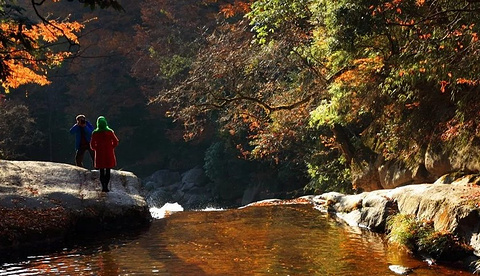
(388, 174)
(45, 201)
(161, 178)
(368, 209)
(438, 160)
(190, 189)
(452, 208)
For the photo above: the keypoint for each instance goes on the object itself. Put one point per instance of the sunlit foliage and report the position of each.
(344, 83)
(24, 57)
(404, 74)
(31, 43)
(410, 61)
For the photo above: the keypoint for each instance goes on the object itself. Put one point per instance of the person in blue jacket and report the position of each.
(83, 134)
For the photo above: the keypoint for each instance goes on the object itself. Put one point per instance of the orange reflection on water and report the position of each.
(268, 240)
(280, 240)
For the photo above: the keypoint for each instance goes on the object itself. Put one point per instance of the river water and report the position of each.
(267, 240)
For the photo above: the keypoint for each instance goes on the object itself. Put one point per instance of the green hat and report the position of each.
(102, 125)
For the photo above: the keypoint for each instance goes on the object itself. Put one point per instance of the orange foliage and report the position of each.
(237, 8)
(412, 105)
(21, 75)
(425, 36)
(467, 81)
(420, 3)
(474, 37)
(393, 5)
(443, 85)
(52, 31)
(361, 72)
(453, 128)
(244, 153)
(328, 142)
(26, 56)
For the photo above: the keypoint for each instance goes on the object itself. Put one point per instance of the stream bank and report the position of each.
(450, 207)
(44, 202)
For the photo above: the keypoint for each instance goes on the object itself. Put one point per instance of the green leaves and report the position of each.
(268, 17)
(360, 80)
(421, 236)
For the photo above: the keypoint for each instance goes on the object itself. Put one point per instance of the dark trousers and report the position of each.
(105, 179)
(80, 153)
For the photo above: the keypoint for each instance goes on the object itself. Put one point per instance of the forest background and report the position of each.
(282, 94)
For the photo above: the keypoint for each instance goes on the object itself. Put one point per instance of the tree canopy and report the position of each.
(364, 79)
(319, 87)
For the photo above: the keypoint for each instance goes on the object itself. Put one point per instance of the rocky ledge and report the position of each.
(451, 206)
(45, 202)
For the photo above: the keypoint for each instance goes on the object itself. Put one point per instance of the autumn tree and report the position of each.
(245, 83)
(32, 42)
(168, 38)
(397, 77)
(258, 80)
(92, 79)
(205, 53)
(412, 77)
(352, 81)
(96, 81)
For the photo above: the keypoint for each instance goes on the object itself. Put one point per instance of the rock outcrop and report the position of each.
(437, 161)
(452, 206)
(45, 201)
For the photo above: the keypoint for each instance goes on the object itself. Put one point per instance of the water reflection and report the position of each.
(274, 240)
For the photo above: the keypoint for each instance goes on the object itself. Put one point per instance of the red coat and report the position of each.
(104, 143)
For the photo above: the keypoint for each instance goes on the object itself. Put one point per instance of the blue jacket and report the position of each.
(78, 136)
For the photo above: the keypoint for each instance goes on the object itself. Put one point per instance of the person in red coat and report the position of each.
(103, 143)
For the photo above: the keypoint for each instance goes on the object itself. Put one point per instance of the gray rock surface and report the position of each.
(453, 207)
(190, 189)
(437, 161)
(72, 195)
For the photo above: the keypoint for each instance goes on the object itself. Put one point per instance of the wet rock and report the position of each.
(451, 208)
(437, 161)
(163, 178)
(249, 195)
(393, 174)
(189, 189)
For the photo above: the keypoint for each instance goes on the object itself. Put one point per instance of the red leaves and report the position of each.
(467, 81)
(237, 8)
(392, 5)
(454, 128)
(443, 85)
